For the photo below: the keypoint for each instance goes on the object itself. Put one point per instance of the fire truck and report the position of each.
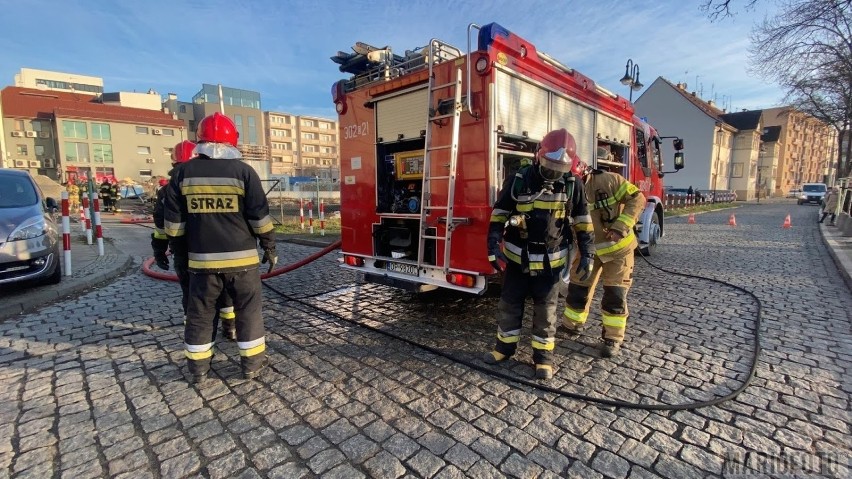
(427, 138)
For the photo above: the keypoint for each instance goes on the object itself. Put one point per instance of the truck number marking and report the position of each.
(644, 186)
(356, 130)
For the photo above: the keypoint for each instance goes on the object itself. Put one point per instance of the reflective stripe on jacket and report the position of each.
(614, 204)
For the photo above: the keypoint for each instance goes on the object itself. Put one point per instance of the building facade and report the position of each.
(743, 171)
(66, 137)
(303, 146)
(58, 81)
(807, 148)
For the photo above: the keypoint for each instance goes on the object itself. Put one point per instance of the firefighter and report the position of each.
(105, 194)
(614, 205)
(215, 213)
(181, 153)
(533, 217)
(115, 194)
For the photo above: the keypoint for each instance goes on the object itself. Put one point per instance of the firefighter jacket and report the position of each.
(105, 190)
(215, 211)
(159, 231)
(614, 204)
(537, 220)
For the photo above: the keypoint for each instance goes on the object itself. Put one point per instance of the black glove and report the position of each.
(181, 264)
(162, 261)
(270, 256)
(586, 266)
(495, 254)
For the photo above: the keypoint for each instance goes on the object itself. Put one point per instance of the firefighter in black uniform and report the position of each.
(533, 217)
(183, 152)
(215, 213)
(105, 193)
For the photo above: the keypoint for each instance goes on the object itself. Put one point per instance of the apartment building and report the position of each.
(807, 148)
(67, 136)
(58, 81)
(242, 106)
(303, 146)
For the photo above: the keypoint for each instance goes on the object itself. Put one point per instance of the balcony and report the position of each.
(254, 152)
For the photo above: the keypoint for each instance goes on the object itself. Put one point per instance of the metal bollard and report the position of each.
(302, 213)
(99, 234)
(87, 222)
(66, 232)
(322, 217)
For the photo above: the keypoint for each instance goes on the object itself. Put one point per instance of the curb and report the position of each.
(844, 266)
(67, 288)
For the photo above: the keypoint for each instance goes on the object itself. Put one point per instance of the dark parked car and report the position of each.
(29, 239)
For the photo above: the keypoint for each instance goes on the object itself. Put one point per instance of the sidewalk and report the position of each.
(840, 248)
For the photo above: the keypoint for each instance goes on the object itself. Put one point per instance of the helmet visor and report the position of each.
(557, 160)
(549, 174)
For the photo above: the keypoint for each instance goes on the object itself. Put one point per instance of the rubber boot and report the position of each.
(501, 353)
(543, 364)
(610, 348)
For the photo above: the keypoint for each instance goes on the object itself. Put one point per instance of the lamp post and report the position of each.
(631, 77)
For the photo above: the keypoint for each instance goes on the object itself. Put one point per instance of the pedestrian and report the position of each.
(533, 217)
(614, 206)
(690, 191)
(215, 212)
(830, 205)
(73, 197)
(181, 153)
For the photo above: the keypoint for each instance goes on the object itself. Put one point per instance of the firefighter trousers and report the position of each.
(517, 286)
(224, 305)
(244, 288)
(617, 275)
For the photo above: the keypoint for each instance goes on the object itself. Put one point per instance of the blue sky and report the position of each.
(282, 48)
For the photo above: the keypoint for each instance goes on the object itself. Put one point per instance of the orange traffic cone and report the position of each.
(691, 219)
(732, 221)
(787, 223)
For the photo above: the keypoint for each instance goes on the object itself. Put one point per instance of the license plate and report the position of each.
(409, 269)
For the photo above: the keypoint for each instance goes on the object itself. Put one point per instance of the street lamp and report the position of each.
(631, 77)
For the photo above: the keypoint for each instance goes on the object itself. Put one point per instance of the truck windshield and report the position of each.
(814, 188)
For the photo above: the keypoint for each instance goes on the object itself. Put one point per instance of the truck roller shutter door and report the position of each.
(401, 115)
(580, 122)
(612, 130)
(521, 106)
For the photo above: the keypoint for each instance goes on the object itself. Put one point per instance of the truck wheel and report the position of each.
(654, 236)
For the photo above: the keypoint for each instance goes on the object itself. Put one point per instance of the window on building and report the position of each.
(102, 153)
(21, 150)
(288, 120)
(311, 148)
(309, 136)
(182, 108)
(19, 125)
(252, 130)
(142, 130)
(104, 171)
(76, 152)
(325, 137)
(191, 125)
(168, 152)
(238, 121)
(74, 129)
(737, 170)
(278, 159)
(36, 124)
(101, 131)
(39, 150)
(168, 132)
(144, 172)
(143, 150)
(287, 146)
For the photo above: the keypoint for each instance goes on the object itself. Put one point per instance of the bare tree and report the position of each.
(807, 49)
(719, 9)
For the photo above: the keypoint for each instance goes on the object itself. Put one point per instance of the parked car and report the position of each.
(812, 193)
(29, 239)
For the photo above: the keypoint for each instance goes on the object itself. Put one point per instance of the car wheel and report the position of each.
(56, 276)
(799, 202)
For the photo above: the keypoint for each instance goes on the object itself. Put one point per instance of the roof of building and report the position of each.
(32, 103)
(770, 134)
(709, 109)
(744, 120)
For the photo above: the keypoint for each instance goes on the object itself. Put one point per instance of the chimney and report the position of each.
(172, 96)
(711, 103)
(693, 93)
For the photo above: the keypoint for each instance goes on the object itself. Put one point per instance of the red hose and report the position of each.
(146, 265)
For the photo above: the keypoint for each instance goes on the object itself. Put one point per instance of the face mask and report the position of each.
(548, 174)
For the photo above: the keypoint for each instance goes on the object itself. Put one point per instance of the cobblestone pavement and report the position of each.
(94, 387)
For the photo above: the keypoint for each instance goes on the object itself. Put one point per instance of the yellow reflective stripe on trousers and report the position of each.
(584, 227)
(614, 321)
(198, 351)
(546, 344)
(227, 313)
(509, 337)
(608, 247)
(253, 347)
(575, 316)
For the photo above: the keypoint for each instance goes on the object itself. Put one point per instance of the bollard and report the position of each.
(311, 216)
(66, 232)
(87, 222)
(82, 218)
(322, 218)
(302, 213)
(99, 234)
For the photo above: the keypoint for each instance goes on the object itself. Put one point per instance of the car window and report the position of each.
(16, 192)
(814, 188)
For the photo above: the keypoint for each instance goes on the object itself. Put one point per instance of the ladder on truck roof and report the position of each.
(435, 115)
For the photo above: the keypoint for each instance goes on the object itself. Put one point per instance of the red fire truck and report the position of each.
(427, 138)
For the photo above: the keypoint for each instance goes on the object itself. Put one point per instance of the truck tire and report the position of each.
(652, 245)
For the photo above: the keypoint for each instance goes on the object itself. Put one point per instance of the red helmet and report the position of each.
(217, 128)
(163, 182)
(183, 152)
(558, 152)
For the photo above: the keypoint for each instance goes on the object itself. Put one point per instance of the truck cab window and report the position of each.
(641, 148)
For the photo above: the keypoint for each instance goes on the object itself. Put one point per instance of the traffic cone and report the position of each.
(732, 221)
(787, 223)
(691, 219)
